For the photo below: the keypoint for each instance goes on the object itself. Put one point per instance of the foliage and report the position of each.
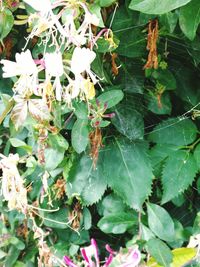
(99, 132)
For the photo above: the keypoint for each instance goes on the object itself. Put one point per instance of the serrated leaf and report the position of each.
(156, 6)
(178, 173)
(111, 98)
(129, 122)
(160, 222)
(175, 132)
(85, 181)
(19, 114)
(39, 110)
(189, 18)
(117, 223)
(6, 22)
(80, 135)
(160, 251)
(128, 171)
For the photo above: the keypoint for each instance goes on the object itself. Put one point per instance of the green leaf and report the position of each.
(146, 233)
(58, 142)
(106, 3)
(196, 226)
(162, 107)
(19, 143)
(56, 219)
(96, 9)
(197, 155)
(80, 135)
(129, 122)
(117, 223)
(174, 131)
(165, 78)
(6, 22)
(160, 251)
(160, 222)
(169, 20)
(181, 256)
(112, 204)
(2, 254)
(156, 6)
(53, 157)
(128, 171)
(12, 256)
(81, 110)
(85, 181)
(178, 173)
(87, 219)
(189, 18)
(134, 46)
(111, 98)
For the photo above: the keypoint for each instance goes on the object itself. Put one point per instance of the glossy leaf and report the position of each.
(6, 22)
(160, 251)
(156, 6)
(111, 98)
(160, 222)
(80, 135)
(117, 223)
(189, 18)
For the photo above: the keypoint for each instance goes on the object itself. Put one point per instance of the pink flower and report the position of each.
(132, 259)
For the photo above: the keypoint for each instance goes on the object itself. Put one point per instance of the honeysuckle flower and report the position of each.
(54, 68)
(132, 259)
(13, 189)
(80, 63)
(81, 60)
(24, 67)
(91, 252)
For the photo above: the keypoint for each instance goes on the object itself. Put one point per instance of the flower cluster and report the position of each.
(91, 257)
(52, 77)
(13, 189)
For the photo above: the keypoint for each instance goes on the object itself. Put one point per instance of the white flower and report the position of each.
(13, 189)
(81, 61)
(24, 65)
(39, 5)
(54, 68)
(54, 64)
